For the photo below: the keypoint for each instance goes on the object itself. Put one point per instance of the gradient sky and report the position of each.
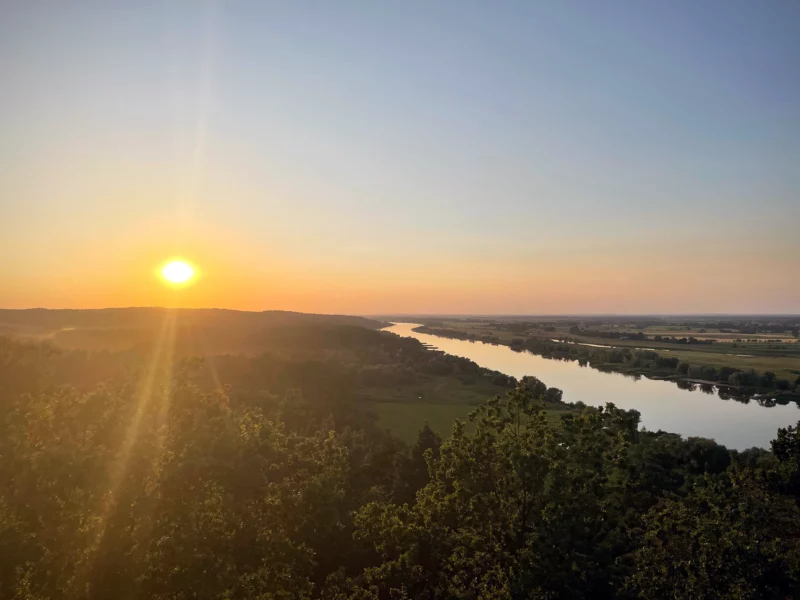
(368, 157)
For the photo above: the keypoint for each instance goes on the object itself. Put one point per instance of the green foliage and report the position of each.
(262, 477)
(512, 509)
(593, 508)
(193, 499)
(731, 537)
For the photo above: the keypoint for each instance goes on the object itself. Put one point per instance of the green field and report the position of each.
(437, 401)
(405, 419)
(712, 334)
(441, 390)
(783, 366)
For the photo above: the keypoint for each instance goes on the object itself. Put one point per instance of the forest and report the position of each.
(198, 458)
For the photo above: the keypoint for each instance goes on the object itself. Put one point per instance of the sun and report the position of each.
(178, 272)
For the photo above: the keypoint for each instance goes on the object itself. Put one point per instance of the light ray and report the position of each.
(199, 340)
(160, 363)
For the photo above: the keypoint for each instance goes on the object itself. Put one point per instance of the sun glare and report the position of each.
(177, 272)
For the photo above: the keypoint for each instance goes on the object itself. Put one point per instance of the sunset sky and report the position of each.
(414, 157)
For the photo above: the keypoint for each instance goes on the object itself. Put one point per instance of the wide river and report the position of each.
(662, 404)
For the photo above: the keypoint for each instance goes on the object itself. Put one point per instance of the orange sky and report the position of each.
(258, 275)
(315, 160)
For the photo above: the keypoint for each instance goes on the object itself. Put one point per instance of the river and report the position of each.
(662, 404)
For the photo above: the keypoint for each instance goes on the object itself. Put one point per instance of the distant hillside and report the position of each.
(116, 328)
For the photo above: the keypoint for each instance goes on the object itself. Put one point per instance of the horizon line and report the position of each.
(426, 314)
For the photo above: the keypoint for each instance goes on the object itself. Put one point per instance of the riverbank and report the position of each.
(691, 410)
(730, 382)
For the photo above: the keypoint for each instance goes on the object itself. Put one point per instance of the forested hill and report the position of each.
(44, 319)
(209, 329)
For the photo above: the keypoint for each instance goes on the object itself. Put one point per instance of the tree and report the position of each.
(424, 451)
(786, 448)
(116, 494)
(516, 507)
(729, 538)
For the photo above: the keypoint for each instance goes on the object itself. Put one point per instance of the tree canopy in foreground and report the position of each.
(162, 483)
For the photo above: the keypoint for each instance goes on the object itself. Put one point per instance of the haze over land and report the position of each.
(419, 158)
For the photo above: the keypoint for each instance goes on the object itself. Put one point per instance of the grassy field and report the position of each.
(405, 419)
(783, 366)
(783, 361)
(437, 401)
(711, 334)
(718, 355)
(441, 390)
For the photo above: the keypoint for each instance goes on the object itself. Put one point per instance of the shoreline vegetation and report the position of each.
(730, 381)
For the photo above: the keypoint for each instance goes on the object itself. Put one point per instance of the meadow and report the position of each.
(435, 401)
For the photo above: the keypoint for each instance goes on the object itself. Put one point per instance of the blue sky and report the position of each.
(510, 144)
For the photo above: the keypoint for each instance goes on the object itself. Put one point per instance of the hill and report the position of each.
(218, 330)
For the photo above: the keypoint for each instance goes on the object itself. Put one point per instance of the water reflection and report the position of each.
(662, 404)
